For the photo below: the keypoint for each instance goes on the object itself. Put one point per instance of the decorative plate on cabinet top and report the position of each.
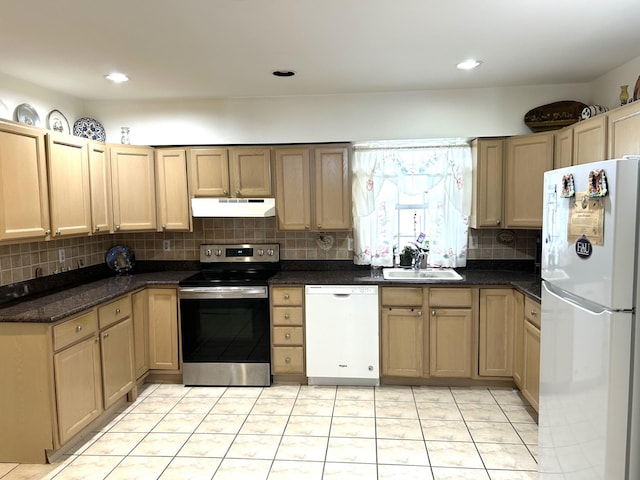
(4, 111)
(25, 113)
(87, 127)
(120, 259)
(57, 122)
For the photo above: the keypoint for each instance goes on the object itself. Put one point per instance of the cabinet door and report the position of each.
(69, 192)
(100, 185)
(496, 332)
(563, 156)
(531, 389)
(172, 191)
(624, 125)
(332, 189)
(486, 204)
(139, 302)
(209, 172)
(251, 172)
(24, 201)
(451, 332)
(590, 140)
(134, 189)
(163, 328)
(78, 387)
(402, 342)
(118, 357)
(518, 339)
(293, 189)
(527, 158)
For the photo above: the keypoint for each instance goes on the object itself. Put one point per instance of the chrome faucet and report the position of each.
(420, 262)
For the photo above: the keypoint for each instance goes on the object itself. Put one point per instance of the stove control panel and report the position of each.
(269, 252)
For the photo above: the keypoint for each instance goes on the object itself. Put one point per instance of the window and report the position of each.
(400, 192)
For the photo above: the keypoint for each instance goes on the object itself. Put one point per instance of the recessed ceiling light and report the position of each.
(284, 73)
(117, 77)
(469, 64)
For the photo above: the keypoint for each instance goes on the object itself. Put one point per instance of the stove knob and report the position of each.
(207, 252)
(260, 252)
(218, 253)
(270, 252)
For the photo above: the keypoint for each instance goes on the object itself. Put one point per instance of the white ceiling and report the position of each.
(228, 48)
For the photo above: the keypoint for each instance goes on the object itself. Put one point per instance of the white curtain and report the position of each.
(442, 174)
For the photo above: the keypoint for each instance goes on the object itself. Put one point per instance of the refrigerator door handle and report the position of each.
(580, 303)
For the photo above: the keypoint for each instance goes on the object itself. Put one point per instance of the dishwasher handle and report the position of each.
(341, 290)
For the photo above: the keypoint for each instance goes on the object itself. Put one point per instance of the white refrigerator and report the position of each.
(589, 426)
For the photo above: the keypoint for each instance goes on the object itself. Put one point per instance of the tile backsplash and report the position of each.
(25, 261)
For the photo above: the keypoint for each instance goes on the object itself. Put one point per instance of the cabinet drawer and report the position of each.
(286, 295)
(75, 329)
(287, 336)
(287, 360)
(532, 311)
(114, 312)
(287, 315)
(450, 297)
(402, 297)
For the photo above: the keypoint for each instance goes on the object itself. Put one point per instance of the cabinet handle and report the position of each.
(533, 313)
(319, 226)
(97, 229)
(287, 336)
(498, 222)
(58, 232)
(164, 226)
(117, 311)
(117, 227)
(433, 312)
(105, 335)
(96, 339)
(78, 328)
(287, 316)
(306, 227)
(419, 313)
(287, 360)
(47, 232)
(286, 296)
(237, 192)
(225, 192)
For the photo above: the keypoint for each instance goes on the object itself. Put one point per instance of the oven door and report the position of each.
(225, 335)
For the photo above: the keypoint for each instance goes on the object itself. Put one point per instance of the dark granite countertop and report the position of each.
(526, 282)
(56, 306)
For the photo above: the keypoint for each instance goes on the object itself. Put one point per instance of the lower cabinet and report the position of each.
(117, 358)
(526, 357)
(496, 332)
(162, 322)
(287, 330)
(518, 339)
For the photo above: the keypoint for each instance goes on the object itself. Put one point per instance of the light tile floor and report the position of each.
(297, 432)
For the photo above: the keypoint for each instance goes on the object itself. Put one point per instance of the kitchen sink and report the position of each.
(407, 274)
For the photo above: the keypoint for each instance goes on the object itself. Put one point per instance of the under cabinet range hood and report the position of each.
(233, 207)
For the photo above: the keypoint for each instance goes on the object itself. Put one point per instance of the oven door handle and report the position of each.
(223, 292)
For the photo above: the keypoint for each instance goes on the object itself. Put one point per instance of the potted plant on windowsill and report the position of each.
(407, 255)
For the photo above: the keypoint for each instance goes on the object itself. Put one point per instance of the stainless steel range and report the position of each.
(225, 316)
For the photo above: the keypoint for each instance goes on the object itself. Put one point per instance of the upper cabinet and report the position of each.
(313, 190)
(69, 192)
(172, 190)
(24, 202)
(624, 131)
(486, 206)
(590, 140)
(563, 156)
(527, 157)
(100, 184)
(134, 191)
(235, 172)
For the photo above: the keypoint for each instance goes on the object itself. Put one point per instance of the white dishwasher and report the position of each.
(341, 326)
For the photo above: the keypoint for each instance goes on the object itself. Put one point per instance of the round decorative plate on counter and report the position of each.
(120, 259)
(25, 113)
(87, 127)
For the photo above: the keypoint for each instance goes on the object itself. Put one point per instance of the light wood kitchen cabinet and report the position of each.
(563, 155)
(403, 332)
(100, 186)
(69, 187)
(496, 332)
(172, 192)
(313, 190)
(527, 157)
(134, 188)
(287, 330)
(450, 332)
(250, 172)
(209, 172)
(590, 140)
(24, 208)
(140, 312)
(531, 369)
(487, 155)
(77, 371)
(518, 339)
(624, 125)
(163, 328)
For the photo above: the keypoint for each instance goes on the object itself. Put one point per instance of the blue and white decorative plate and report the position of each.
(87, 127)
(120, 259)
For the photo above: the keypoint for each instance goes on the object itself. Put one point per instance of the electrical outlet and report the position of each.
(61, 256)
(473, 240)
(349, 244)
(166, 245)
